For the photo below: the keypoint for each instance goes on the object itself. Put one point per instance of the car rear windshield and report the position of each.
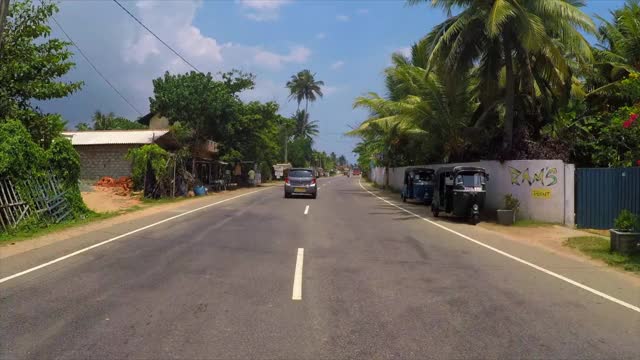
(300, 173)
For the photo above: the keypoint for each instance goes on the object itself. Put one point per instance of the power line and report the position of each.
(94, 67)
(156, 36)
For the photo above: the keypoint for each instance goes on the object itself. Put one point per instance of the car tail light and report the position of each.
(313, 181)
(286, 181)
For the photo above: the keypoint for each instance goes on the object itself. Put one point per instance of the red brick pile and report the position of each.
(123, 183)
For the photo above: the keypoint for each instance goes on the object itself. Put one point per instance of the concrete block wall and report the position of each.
(97, 161)
(545, 188)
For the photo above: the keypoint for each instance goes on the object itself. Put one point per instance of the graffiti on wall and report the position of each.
(545, 177)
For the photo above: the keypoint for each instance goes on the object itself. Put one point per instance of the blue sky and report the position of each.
(346, 43)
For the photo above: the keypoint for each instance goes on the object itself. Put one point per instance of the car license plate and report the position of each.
(299, 189)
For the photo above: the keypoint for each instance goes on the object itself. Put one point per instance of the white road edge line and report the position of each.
(537, 267)
(297, 276)
(21, 273)
(306, 210)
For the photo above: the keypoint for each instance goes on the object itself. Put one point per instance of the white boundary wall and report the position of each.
(545, 188)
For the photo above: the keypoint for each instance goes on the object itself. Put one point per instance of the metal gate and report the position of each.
(602, 193)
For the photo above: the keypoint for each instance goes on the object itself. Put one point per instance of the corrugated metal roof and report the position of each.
(104, 137)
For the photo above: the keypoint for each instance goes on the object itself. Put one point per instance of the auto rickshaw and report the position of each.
(418, 184)
(460, 191)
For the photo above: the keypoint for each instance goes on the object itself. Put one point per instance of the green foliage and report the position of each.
(304, 127)
(511, 203)
(254, 134)
(265, 171)
(603, 140)
(238, 81)
(112, 122)
(20, 158)
(300, 152)
(31, 64)
(153, 155)
(512, 79)
(182, 98)
(627, 221)
(83, 127)
(303, 86)
(64, 162)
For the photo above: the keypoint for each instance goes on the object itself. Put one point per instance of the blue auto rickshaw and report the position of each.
(418, 185)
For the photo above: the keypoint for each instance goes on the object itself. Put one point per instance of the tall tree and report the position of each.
(304, 127)
(531, 41)
(342, 160)
(31, 65)
(110, 121)
(617, 55)
(304, 86)
(383, 138)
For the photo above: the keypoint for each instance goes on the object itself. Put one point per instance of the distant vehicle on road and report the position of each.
(460, 191)
(357, 172)
(300, 181)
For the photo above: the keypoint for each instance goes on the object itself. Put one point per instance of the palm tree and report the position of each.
(382, 138)
(303, 86)
(305, 128)
(618, 53)
(102, 121)
(435, 105)
(526, 40)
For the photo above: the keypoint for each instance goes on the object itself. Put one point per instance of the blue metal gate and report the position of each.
(602, 193)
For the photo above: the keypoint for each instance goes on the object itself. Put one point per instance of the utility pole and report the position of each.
(286, 144)
(4, 11)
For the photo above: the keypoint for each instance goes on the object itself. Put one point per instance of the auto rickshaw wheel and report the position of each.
(404, 198)
(434, 211)
(474, 219)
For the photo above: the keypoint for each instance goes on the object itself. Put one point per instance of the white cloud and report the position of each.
(262, 10)
(330, 90)
(362, 11)
(271, 60)
(342, 17)
(183, 36)
(321, 35)
(406, 51)
(131, 58)
(337, 65)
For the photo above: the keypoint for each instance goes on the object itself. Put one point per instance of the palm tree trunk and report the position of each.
(510, 95)
(387, 167)
(306, 106)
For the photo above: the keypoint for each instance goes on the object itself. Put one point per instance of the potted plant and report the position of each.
(625, 236)
(507, 216)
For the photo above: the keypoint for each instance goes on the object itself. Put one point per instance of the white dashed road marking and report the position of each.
(297, 276)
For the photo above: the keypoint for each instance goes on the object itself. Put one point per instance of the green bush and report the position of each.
(511, 203)
(627, 221)
(64, 162)
(265, 171)
(140, 156)
(20, 157)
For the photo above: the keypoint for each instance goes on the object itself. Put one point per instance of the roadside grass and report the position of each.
(597, 231)
(29, 232)
(532, 223)
(597, 247)
(35, 230)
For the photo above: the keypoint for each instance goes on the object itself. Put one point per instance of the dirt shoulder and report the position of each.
(548, 237)
(141, 210)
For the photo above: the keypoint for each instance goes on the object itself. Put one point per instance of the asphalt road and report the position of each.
(376, 283)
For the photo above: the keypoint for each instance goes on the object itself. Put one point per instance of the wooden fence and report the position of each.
(43, 199)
